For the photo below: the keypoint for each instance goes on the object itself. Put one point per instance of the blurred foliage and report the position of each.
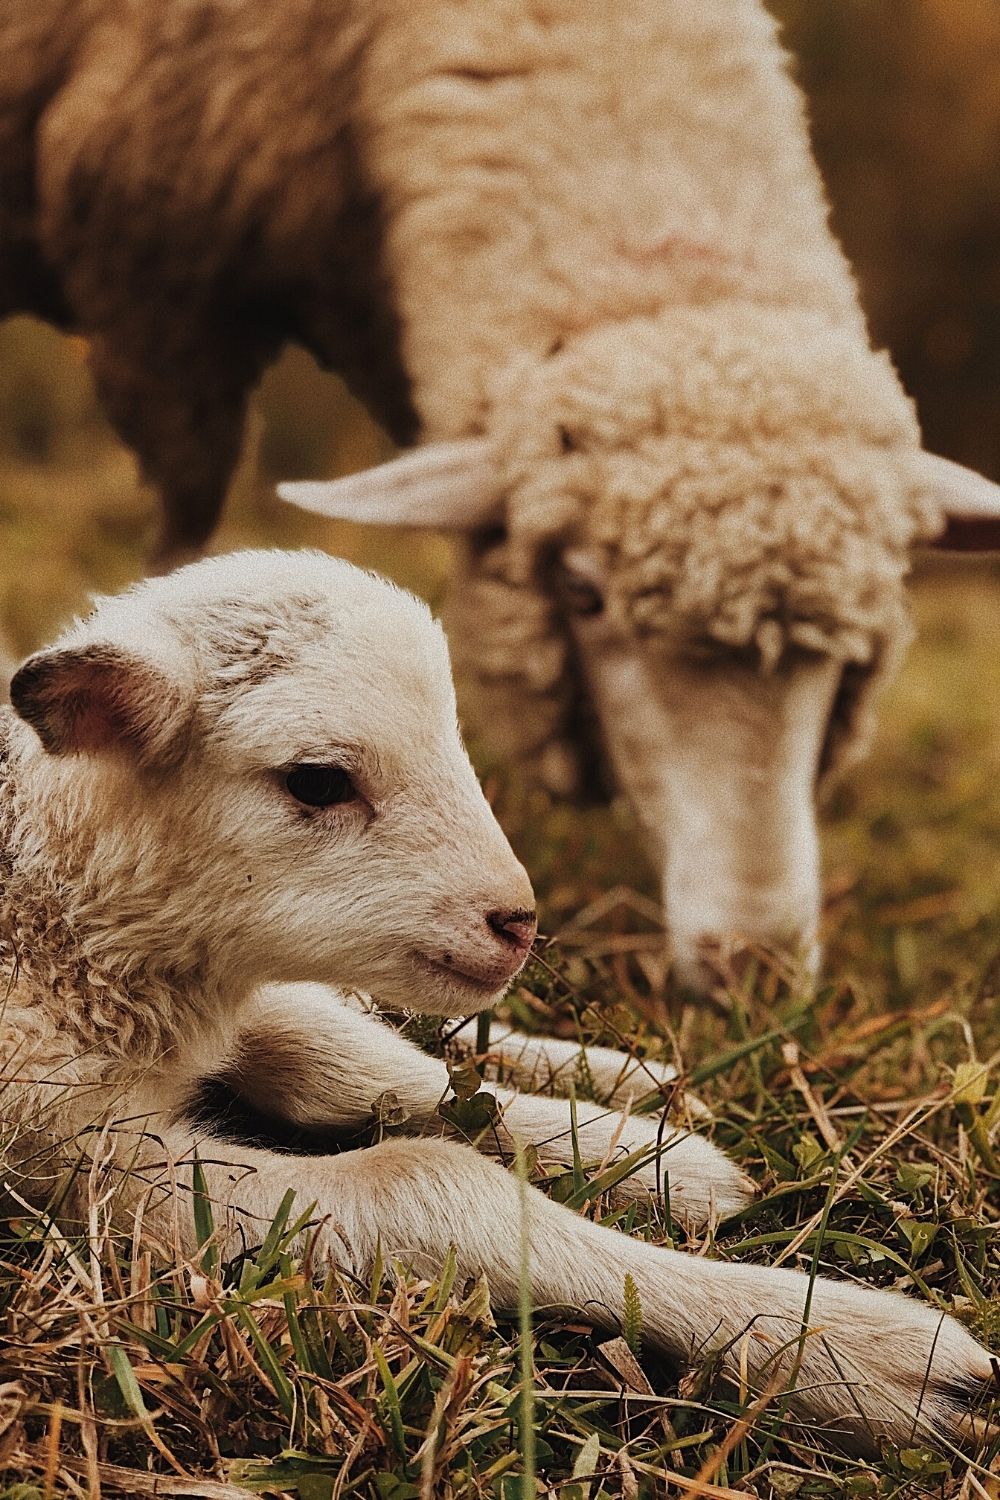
(905, 106)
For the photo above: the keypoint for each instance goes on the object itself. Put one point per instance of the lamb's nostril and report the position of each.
(515, 927)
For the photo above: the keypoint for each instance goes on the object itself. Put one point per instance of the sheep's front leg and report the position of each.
(322, 1064)
(872, 1363)
(182, 410)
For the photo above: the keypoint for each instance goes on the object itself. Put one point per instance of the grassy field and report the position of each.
(125, 1373)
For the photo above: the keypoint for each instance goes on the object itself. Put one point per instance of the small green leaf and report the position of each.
(807, 1150)
(465, 1080)
(128, 1385)
(586, 1462)
(911, 1178)
(470, 1115)
(918, 1234)
(391, 1488)
(388, 1111)
(316, 1487)
(971, 1079)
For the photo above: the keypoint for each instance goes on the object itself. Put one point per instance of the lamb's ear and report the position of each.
(453, 486)
(103, 699)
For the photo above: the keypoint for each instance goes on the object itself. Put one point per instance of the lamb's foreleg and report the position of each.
(533, 1062)
(321, 1065)
(873, 1363)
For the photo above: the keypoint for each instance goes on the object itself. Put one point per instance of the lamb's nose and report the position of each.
(515, 927)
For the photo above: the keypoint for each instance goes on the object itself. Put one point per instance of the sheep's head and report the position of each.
(693, 539)
(253, 765)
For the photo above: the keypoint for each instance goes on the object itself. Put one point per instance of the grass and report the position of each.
(867, 1114)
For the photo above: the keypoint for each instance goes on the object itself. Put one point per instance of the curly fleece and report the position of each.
(589, 229)
(660, 335)
(750, 483)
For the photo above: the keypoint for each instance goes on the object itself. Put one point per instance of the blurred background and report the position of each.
(905, 107)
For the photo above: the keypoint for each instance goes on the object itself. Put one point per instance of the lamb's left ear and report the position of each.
(103, 699)
(453, 486)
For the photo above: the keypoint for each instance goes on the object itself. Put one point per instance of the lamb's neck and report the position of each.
(86, 953)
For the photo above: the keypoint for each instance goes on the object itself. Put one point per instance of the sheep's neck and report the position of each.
(74, 956)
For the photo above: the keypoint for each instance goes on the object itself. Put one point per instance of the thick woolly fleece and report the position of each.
(659, 334)
(593, 232)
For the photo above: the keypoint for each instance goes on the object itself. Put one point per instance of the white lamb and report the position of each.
(227, 789)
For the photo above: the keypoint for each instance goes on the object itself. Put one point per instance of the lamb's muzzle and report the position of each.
(488, 963)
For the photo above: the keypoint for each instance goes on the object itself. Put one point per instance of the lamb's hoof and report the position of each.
(876, 1367)
(705, 1186)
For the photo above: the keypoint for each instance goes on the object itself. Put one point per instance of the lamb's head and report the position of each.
(253, 767)
(700, 532)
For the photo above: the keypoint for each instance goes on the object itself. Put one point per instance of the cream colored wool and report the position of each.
(657, 330)
(591, 231)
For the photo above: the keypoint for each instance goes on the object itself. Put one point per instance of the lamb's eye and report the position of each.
(580, 596)
(320, 786)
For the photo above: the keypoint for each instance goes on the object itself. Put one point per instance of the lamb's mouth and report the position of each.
(460, 978)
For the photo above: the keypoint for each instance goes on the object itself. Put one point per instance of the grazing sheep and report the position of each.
(236, 784)
(593, 238)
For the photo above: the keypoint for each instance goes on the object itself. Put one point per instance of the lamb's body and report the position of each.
(172, 893)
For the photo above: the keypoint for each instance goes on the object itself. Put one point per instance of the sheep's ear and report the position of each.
(971, 505)
(453, 486)
(102, 699)
(964, 494)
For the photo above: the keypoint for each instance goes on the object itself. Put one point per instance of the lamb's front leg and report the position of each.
(320, 1064)
(532, 1062)
(872, 1364)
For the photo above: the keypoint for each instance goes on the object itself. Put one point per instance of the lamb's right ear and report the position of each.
(454, 486)
(103, 699)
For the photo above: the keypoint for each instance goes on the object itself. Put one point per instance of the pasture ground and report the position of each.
(867, 1114)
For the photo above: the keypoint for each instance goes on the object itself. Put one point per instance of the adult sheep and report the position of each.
(591, 243)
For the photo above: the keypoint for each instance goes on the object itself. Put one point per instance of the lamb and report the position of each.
(581, 253)
(234, 796)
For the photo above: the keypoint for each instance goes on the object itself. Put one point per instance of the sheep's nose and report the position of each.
(515, 927)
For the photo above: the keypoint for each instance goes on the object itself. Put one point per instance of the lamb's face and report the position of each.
(720, 761)
(273, 739)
